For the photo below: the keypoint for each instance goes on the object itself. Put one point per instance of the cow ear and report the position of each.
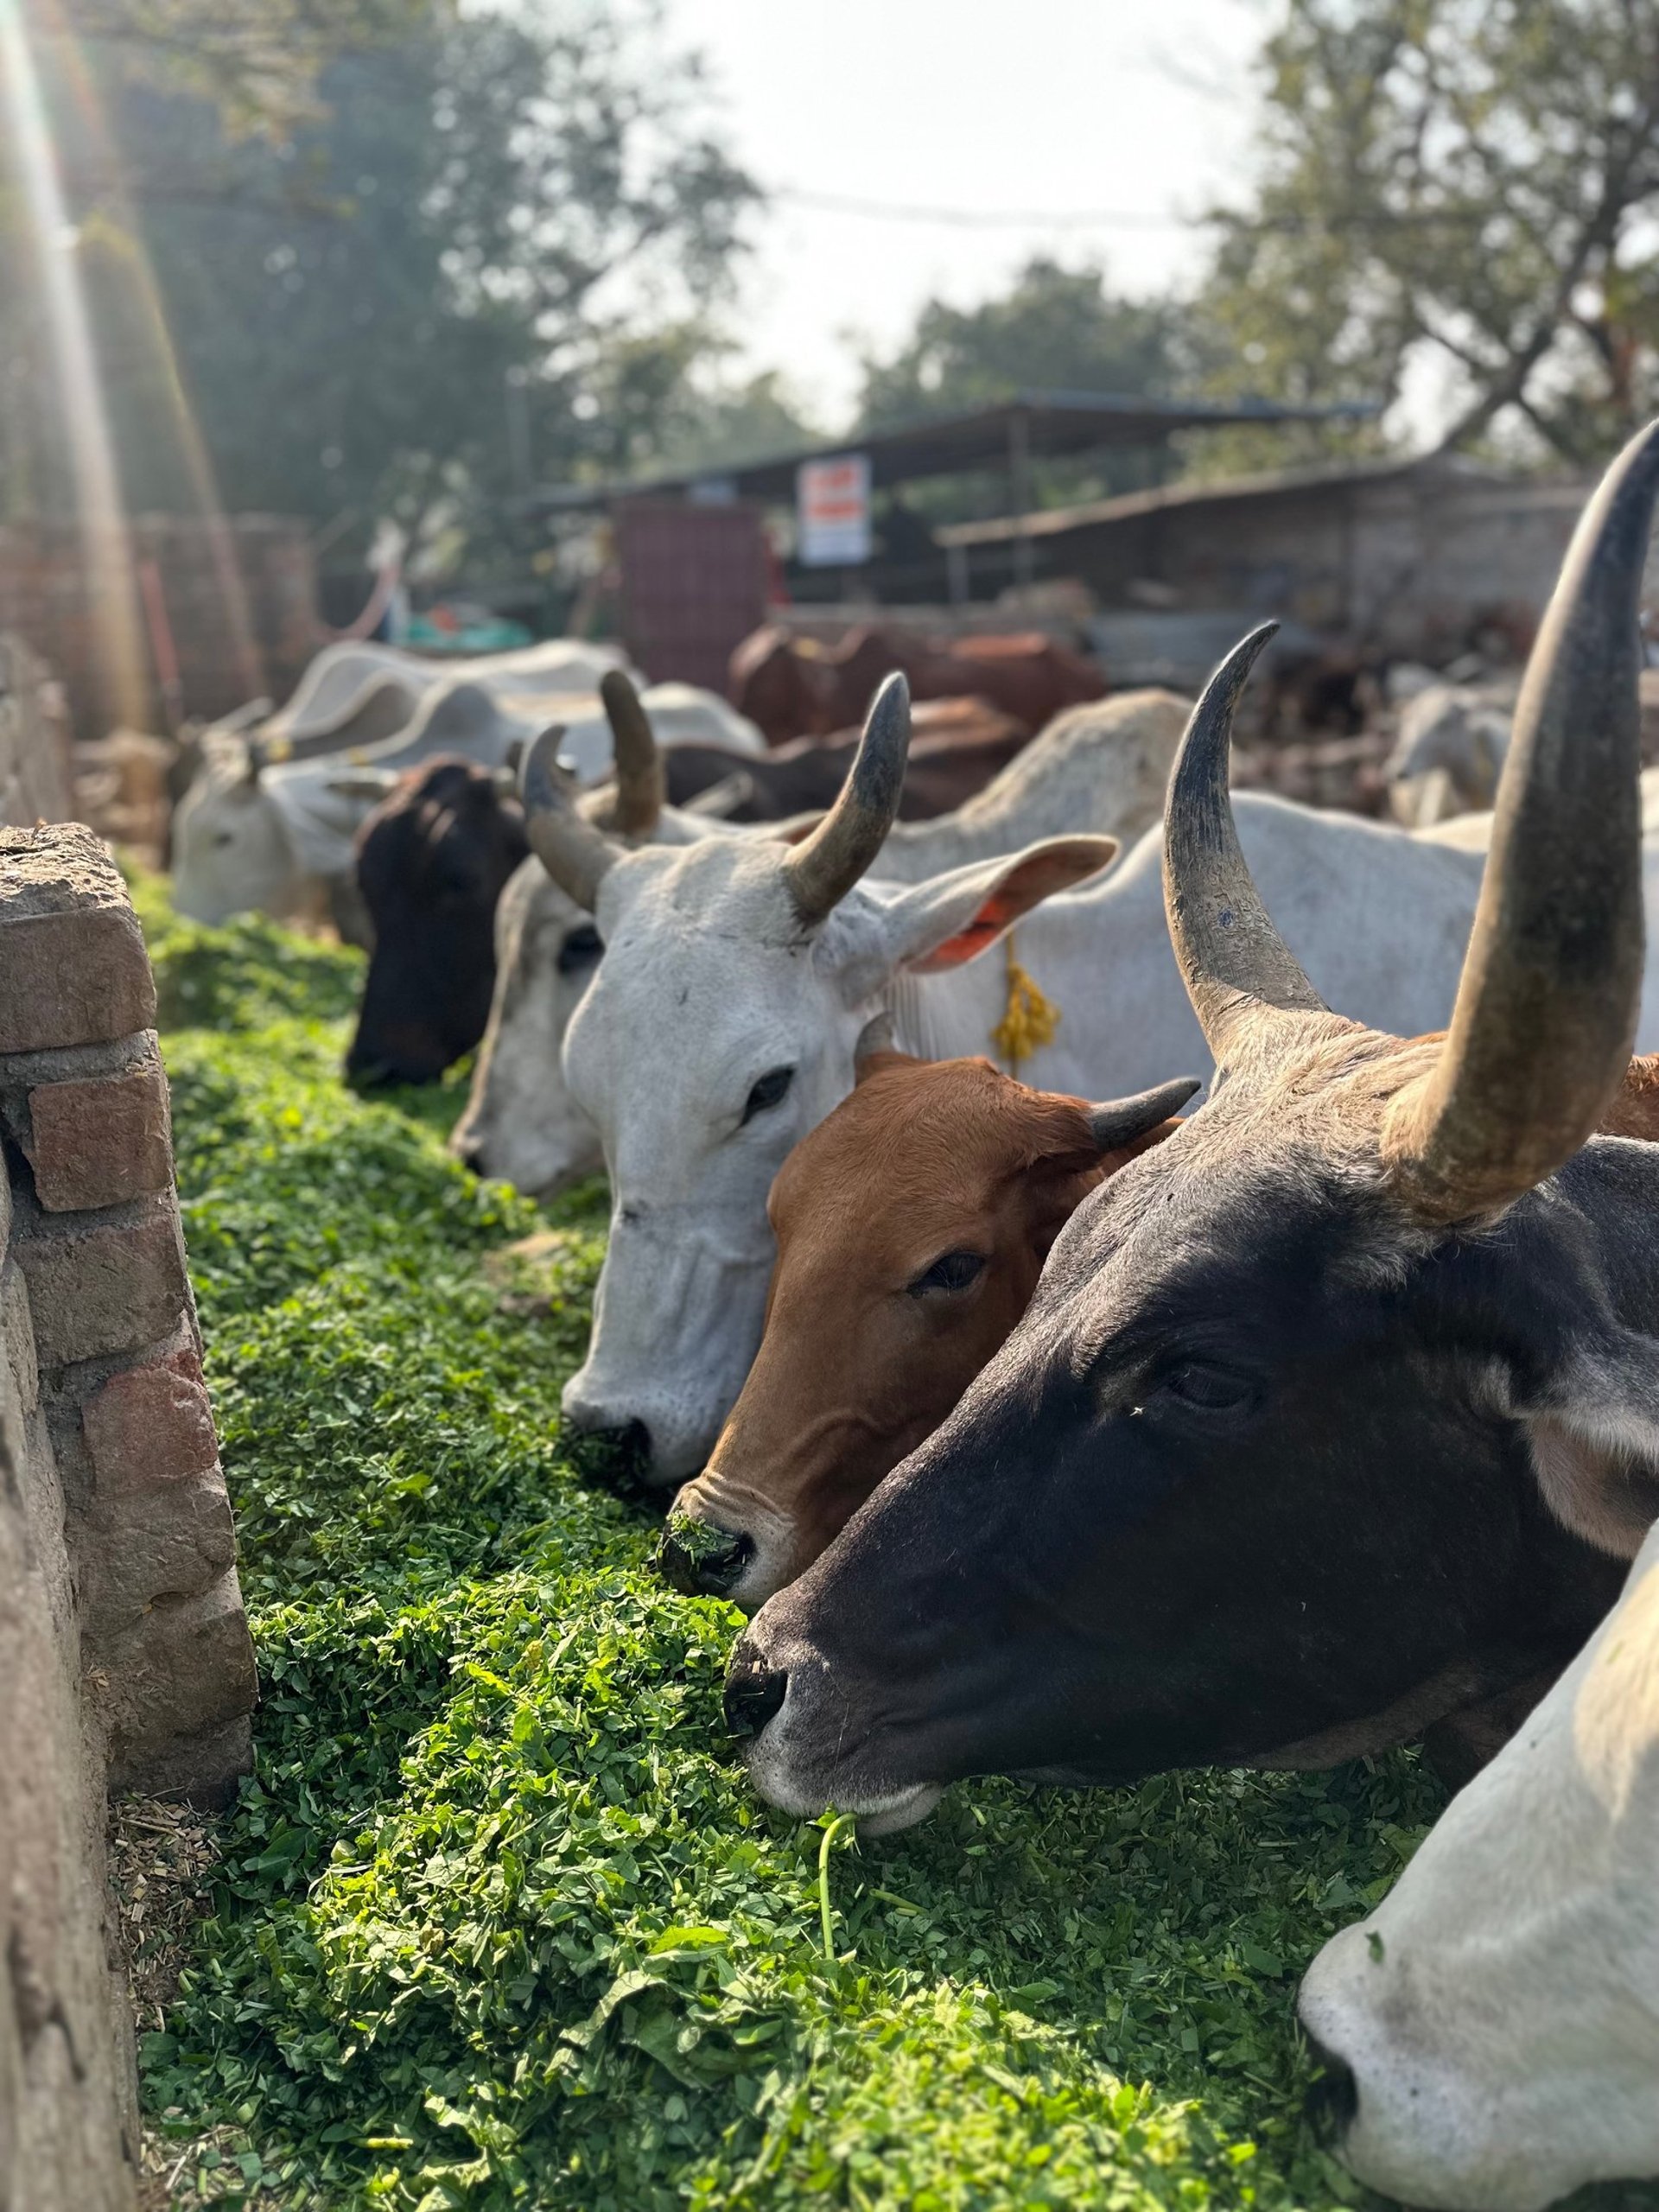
(1597, 1467)
(954, 918)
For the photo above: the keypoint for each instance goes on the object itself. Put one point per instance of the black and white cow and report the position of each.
(1334, 1416)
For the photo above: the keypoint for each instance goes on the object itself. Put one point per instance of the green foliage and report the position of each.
(1473, 180)
(1054, 329)
(415, 291)
(499, 1923)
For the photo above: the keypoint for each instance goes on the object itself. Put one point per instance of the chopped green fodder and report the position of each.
(499, 1921)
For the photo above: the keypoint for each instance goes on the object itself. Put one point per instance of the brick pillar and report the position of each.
(167, 1659)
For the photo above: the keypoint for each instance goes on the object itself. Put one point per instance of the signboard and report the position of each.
(832, 500)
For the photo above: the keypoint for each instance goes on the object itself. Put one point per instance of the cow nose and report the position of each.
(616, 1453)
(370, 1074)
(1334, 2096)
(700, 1558)
(755, 1691)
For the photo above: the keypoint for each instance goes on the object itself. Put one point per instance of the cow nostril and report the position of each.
(1333, 2095)
(754, 1692)
(700, 1558)
(617, 1456)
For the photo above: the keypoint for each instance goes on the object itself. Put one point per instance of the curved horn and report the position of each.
(1546, 1005)
(875, 1037)
(1234, 961)
(640, 778)
(576, 854)
(1122, 1120)
(824, 867)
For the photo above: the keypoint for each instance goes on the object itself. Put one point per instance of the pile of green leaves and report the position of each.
(499, 1922)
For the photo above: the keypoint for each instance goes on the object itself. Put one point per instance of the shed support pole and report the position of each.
(1020, 491)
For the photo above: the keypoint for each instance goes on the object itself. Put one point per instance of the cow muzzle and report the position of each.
(700, 1558)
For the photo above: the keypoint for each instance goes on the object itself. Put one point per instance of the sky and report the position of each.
(1051, 108)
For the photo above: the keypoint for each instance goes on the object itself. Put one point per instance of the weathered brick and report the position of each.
(102, 1285)
(101, 1142)
(71, 979)
(181, 1685)
(73, 965)
(149, 1426)
(152, 1549)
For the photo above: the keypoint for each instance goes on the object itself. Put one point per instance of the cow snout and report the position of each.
(700, 1558)
(615, 1451)
(755, 1691)
(1334, 2096)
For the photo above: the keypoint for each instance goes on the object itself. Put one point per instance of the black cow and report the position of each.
(432, 860)
(1331, 1417)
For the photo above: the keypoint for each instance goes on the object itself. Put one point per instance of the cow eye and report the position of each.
(953, 1271)
(768, 1092)
(1212, 1389)
(582, 947)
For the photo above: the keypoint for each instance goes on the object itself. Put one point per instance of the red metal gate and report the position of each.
(694, 584)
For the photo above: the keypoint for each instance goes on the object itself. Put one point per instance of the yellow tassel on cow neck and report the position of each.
(1029, 1020)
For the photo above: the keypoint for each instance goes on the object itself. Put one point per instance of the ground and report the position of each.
(497, 1922)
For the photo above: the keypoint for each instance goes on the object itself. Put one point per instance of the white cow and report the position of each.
(719, 1025)
(252, 834)
(1102, 766)
(1452, 742)
(1493, 2026)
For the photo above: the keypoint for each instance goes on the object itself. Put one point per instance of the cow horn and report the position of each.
(576, 854)
(1547, 1004)
(640, 778)
(1122, 1120)
(824, 867)
(875, 1037)
(1233, 961)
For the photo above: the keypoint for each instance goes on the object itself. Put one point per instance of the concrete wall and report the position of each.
(123, 1645)
(1416, 561)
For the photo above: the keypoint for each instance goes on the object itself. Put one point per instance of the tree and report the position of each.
(1055, 329)
(1473, 180)
(404, 303)
(255, 61)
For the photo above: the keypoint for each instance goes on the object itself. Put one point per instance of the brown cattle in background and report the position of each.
(793, 687)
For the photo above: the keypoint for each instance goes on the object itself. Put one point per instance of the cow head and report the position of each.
(231, 851)
(1275, 1469)
(1491, 2033)
(521, 1123)
(432, 860)
(719, 1027)
(1455, 732)
(912, 1227)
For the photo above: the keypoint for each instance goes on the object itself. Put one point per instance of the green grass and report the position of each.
(499, 1922)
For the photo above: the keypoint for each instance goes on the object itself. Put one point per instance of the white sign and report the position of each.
(832, 500)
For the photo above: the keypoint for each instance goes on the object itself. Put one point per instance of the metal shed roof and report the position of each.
(1049, 423)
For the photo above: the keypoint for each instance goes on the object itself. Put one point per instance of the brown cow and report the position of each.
(912, 1225)
(793, 687)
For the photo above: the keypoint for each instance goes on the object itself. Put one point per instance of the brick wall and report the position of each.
(122, 1639)
(239, 597)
